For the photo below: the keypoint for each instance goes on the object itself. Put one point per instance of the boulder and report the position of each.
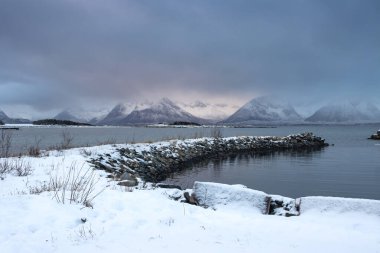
(339, 205)
(216, 195)
(128, 183)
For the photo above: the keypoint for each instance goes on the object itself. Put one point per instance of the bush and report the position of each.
(76, 186)
(216, 132)
(5, 142)
(17, 167)
(35, 150)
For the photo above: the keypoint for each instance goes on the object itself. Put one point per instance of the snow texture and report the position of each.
(265, 109)
(163, 111)
(339, 205)
(346, 112)
(216, 195)
(149, 220)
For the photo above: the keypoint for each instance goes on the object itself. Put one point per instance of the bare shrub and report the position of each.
(76, 186)
(85, 152)
(18, 167)
(21, 168)
(5, 167)
(85, 233)
(35, 150)
(108, 141)
(216, 132)
(38, 189)
(198, 135)
(67, 139)
(5, 142)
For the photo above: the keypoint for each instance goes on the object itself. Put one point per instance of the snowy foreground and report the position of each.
(120, 219)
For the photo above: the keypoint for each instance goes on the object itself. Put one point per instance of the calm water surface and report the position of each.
(350, 168)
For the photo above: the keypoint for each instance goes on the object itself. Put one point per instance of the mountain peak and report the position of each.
(265, 109)
(346, 112)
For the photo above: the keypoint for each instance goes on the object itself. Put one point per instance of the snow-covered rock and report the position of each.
(339, 205)
(217, 195)
(265, 109)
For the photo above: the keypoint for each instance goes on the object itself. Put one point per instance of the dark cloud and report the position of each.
(58, 52)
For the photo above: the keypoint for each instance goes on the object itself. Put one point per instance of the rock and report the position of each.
(169, 186)
(191, 199)
(127, 176)
(128, 183)
(375, 137)
(339, 205)
(215, 195)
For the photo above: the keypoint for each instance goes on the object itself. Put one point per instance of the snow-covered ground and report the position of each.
(148, 220)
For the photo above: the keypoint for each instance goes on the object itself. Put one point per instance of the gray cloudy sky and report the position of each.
(56, 54)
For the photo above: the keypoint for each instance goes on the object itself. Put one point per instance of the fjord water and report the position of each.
(350, 168)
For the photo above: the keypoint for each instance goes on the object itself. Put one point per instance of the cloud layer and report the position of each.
(59, 53)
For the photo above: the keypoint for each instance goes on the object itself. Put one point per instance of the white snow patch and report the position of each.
(218, 195)
(339, 205)
(138, 220)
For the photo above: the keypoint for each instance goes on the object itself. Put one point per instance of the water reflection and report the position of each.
(245, 168)
(287, 173)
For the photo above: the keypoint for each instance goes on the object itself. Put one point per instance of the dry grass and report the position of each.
(75, 186)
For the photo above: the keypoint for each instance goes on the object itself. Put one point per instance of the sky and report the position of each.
(96, 53)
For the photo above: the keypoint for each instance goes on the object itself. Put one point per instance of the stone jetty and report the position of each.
(154, 162)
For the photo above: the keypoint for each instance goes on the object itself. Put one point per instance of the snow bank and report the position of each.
(339, 205)
(216, 195)
(149, 220)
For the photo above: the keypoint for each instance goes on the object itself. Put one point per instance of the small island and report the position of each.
(59, 122)
(375, 136)
(184, 123)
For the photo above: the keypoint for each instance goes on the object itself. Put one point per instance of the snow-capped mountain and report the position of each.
(7, 120)
(82, 115)
(347, 112)
(164, 111)
(66, 115)
(117, 115)
(264, 109)
(214, 112)
(119, 112)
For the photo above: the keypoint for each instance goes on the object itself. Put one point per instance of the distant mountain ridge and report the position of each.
(7, 120)
(66, 115)
(346, 112)
(264, 110)
(260, 111)
(163, 111)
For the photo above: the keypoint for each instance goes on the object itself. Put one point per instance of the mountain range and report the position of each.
(260, 110)
(346, 112)
(163, 111)
(7, 120)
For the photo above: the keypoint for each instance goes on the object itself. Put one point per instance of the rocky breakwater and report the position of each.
(154, 162)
